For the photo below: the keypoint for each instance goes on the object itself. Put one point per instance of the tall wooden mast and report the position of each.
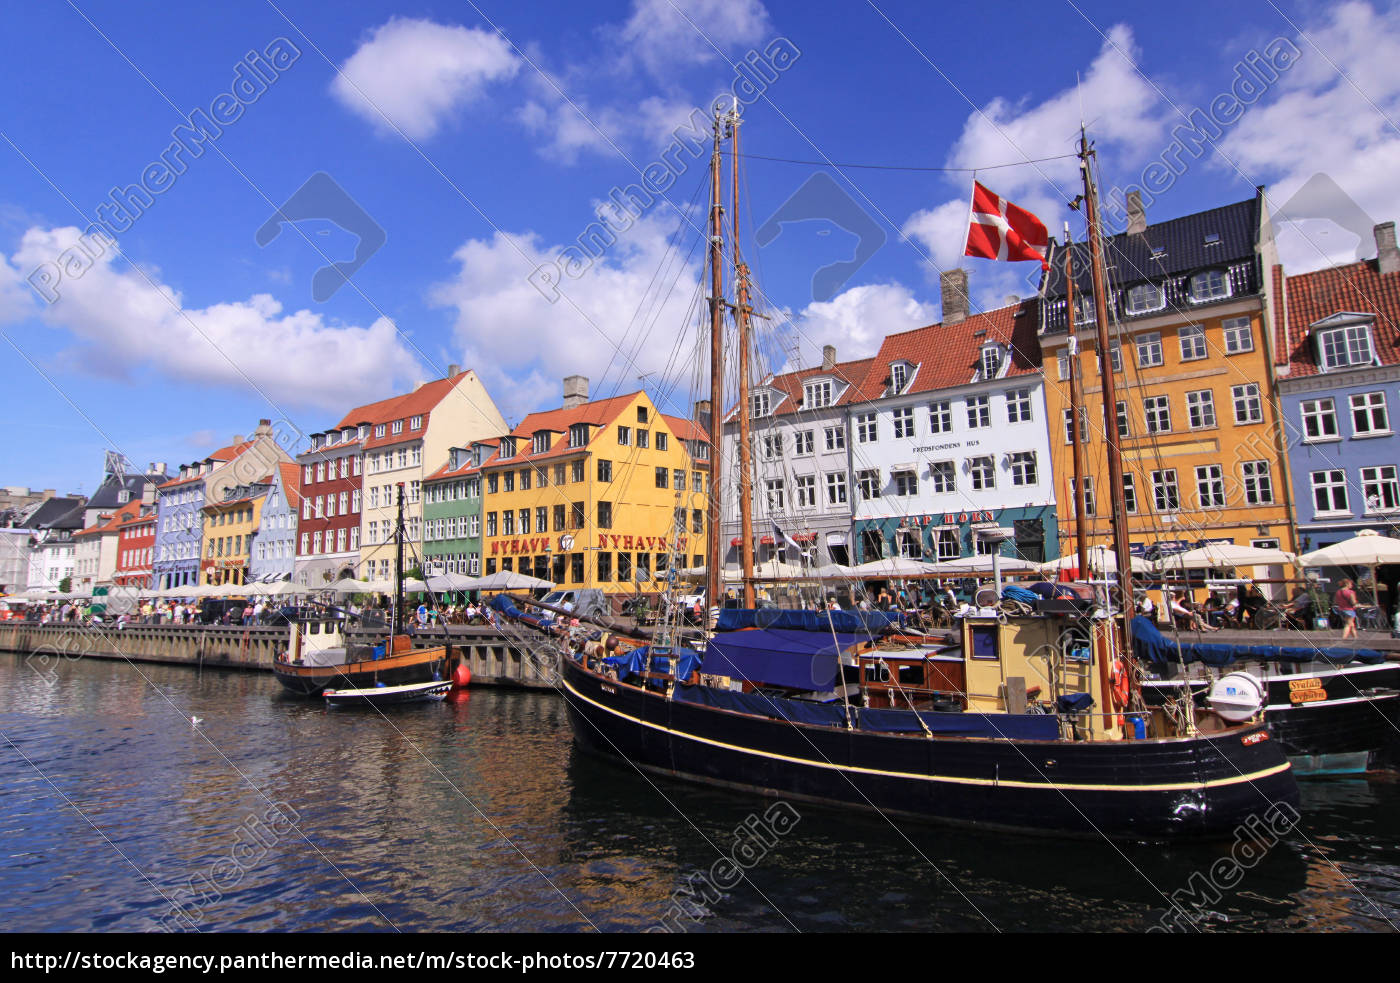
(741, 320)
(713, 580)
(1110, 390)
(1076, 403)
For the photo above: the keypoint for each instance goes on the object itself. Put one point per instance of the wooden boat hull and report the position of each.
(417, 666)
(1152, 789)
(1346, 732)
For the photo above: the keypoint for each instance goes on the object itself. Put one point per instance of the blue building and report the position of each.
(1338, 374)
(274, 546)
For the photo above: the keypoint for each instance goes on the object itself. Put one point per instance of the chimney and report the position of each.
(238, 438)
(453, 369)
(702, 415)
(1137, 218)
(1387, 256)
(952, 284)
(828, 357)
(575, 391)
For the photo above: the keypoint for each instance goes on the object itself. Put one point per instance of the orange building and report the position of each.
(1197, 406)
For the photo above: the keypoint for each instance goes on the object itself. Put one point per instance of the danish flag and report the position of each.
(1001, 230)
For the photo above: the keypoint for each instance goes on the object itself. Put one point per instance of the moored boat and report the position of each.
(383, 695)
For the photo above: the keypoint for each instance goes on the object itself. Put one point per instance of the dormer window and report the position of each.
(379, 430)
(123, 497)
(1210, 285)
(541, 443)
(1084, 309)
(1212, 239)
(332, 438)
(991, 361)
(759, 405)
(1145, 297)
(1346, 346)
(507, 448)
(315, 441)
(816, 394)
(347, 435)
(578, 432)
(398, 426)
(364, 430)
(415, 423)
(900, 374)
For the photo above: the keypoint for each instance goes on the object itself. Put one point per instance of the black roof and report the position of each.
(1169, 248)
(106, 497)
(57, 513)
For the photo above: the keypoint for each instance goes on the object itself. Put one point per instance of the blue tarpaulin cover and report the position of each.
(1150, 645)
(805, 660)
(644, 660)
(757, 704)
(1020, 726)
(850, 622)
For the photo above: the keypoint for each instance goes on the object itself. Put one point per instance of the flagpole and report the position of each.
(1076, 401)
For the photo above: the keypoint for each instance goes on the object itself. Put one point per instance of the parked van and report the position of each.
(580, 602)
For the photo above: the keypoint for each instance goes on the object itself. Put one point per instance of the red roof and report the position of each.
(223, 454)
(685, 429)
(420, 402)
(114, 519)
(599, 412)
(790, 384)
(291, 474)
(446, 471)
(948, 355)
(1356, 287)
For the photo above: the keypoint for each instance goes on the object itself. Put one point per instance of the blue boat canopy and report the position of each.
(872, 623)
(805, 660)
(1150, 645)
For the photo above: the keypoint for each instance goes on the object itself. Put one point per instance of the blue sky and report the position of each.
(483, 138)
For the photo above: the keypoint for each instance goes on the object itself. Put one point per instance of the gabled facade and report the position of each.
(136, 541)
(1339, 379)
(404, 432)
(595, 494)
(179, 544)
(274, 542)
(1197, 406)
(96, 547)
(452, 512)
(230, 526)
(801, 452)
(948, 438)
(52, 552)
(329, 491)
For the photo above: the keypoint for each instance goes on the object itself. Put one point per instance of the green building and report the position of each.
(452, 512)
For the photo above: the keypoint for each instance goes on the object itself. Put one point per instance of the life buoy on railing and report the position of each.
(1118, 684)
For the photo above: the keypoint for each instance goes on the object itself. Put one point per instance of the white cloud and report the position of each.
(419, 73)
(569, 129)
(612, 323)
(1277, 140)
(123, 322)
(856, 321)
(666, 34)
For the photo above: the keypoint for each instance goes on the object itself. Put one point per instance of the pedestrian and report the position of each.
(1344, 606)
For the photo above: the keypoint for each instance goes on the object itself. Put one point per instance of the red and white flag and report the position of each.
(1001, 230)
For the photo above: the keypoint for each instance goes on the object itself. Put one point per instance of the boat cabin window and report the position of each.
(985, 642)
(314, 628)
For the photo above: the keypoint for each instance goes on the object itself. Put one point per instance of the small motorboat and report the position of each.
(377, 696)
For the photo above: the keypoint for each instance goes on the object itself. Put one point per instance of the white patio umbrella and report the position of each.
(1367, 548)
(1101, 560)
(984, 564)
(285, 588)
(509, 580)
(895, 566)
(450, 582)
(1225, 555)
(346, 585)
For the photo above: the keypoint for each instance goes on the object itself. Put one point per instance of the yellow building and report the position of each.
(229, 528)
(1197, 407)
(606, 494)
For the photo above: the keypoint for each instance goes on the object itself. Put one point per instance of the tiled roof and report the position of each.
(291, 475)
(1356, 287)
(949, 355)
(599, 412)
(222, 455)
(420, 402)
(120, 517)
(790, 384)
(1130, 259)
(447, 471)
(57, 513)
(685, 429)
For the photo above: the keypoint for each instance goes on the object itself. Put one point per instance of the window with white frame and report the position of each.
(949, 544)
(1258, 482)
(759, 404)
(940, 416)
(991, 361)
(904, 422)
(1023, 468)
(983, 473)
(1018, 406)
(1166, 496)
(1209, 285)
(1381, 488)
(1319, 419)
(1200, 409)
(836, 488)
(1249, 408)
(1083, 425)
(1210, 486)
(1063, 361)
(772, 446)
(774, 488)
(1157, 414)
(1192, 338)
(868, 483)
(1149, 349)
(906, 483)
(1329, 490)
(1345, 346)
(1145, 297)
(1239, 335)
(899, 377)
(835, 437)
(805, 491)
(1368, 415)
(803, 443)
(816, 394)
(1090, 505)
(1129, 493)
(979, 412)
(943, 476)
(866, 430)
(1121, 418)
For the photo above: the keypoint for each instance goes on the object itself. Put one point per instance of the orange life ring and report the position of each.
(1118, 682)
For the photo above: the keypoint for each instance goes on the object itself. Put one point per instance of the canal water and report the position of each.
(274, 814)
